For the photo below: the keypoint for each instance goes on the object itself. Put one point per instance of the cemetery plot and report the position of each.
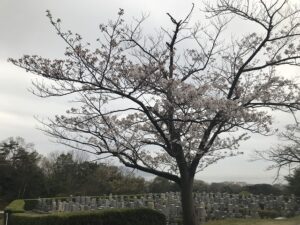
(209, 206)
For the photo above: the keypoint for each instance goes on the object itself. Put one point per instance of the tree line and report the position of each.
(159, 184)
(24, 173)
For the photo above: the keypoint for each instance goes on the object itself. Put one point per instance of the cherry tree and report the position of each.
(173, 103)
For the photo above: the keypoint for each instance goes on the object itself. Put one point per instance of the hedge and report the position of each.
(102, 217)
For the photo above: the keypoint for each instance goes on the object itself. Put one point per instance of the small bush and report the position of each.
(16, 206)
(244, 193)
(103, 217)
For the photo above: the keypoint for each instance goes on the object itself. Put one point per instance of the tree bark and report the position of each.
(188, 209)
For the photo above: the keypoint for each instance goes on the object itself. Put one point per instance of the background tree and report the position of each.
(127, 183)
(162, 185)
(175, 103)
(108, 179)
(26, 174)
(200, 186)
(20, 174)
(68, 174)
(63, 178)
(285, 155)
(228, 187)
(265, 189)
(294, 183)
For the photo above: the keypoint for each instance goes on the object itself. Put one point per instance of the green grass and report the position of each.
(291, 221)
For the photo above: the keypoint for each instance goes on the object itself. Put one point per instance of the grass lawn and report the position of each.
(291, 221)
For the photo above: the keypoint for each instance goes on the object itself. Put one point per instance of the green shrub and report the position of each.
(103, 217)
(244, 193)
(16, 206)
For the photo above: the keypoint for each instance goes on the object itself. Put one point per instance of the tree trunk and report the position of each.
(187, 201)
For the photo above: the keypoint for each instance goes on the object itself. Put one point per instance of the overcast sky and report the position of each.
(24, 29)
